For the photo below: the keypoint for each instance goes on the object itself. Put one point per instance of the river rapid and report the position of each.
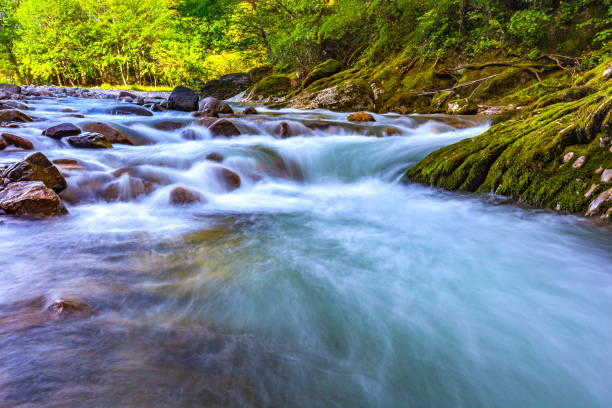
(322, 281)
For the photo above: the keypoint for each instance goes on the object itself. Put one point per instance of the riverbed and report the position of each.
(322, 281)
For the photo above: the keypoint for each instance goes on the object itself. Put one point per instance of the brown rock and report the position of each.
(10, 88)
(61, 130)
(126, 190)
(17, 141)
(182, 195)
(360, 117)
(130, 110)
(126, 94)
(67, 307)
(89, 140)
(215, 105)
(282, 130)
(216, 157)
(112, 134)
(223, 127)
(36, 167)
(229, 179)
(168, 125)
(31, 198)
(67, 164)
(208, 113)
(250, 110)
(13, 115)
(3, 145)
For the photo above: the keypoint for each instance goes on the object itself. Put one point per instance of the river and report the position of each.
(322, 282)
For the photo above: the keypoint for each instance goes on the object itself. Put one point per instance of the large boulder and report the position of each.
(324, 70)
(89, 140)
(228, 179)
(349, 96)
(227, 86)
(35, 167)
(10, 88)
(220, 127)
(272, 86)
(13, 115)
(215, 106)
(111, 134)
(130, 110)
(62, 130)
(183, 99)
(31, 198)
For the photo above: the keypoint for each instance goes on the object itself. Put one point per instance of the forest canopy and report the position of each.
(167, 42)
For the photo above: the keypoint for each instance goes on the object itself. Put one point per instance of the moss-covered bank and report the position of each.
(554, 154)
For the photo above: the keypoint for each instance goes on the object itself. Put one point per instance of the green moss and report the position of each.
(324, 70)
(273, 85)
(522, 158)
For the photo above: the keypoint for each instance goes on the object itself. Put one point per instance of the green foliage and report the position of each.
(528, 26)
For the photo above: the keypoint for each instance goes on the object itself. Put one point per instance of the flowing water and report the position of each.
(323, 281)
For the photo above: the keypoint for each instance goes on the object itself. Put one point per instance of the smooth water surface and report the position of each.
(326, 284)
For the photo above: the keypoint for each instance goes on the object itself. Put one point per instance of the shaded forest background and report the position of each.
(170, 42)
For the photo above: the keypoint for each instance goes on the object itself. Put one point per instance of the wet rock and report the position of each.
(602, 198)
(391, 131)
(31, 198)
(11, 89)
(283, 130)
(208, 113)
(606, 175)
(579, 162)
(67, 164)
(250, 110)
(158, 107)
(183, 195)
(17, 141)
(324, 70)
(220, 127)
(228, 179)
(61, 130)
(215, 106)
(112, 134)
(360, 117)
(273, 164)
(3, 145)
(216, 157)
(13, 115)
(68, 307)
(183, 99)
(168, 125)
(568, 157)
(227, 86)
(130, 110)
(13, 105)
(36, 167)
(125, 189)
(89, 140)
(189, 134)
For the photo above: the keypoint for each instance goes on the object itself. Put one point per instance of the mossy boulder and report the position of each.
(271, 86)
(324, 70)
(348, 96)
(526, 157)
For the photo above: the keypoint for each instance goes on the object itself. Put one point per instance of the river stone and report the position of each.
(111, 134)
(183, 99)
(360, 117)
(10, 88)
(126, 94)
(250, 110)
(17, 141)
(183, 195)
(130, 110)
(168, 125)
(228, 179)
(13, 115)
(282, 130)
(61, 130)
(31, 198)
(13, 105)
(36, 167)
(215, 106)
(220, 127)
(216, 157)
(89, 140)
